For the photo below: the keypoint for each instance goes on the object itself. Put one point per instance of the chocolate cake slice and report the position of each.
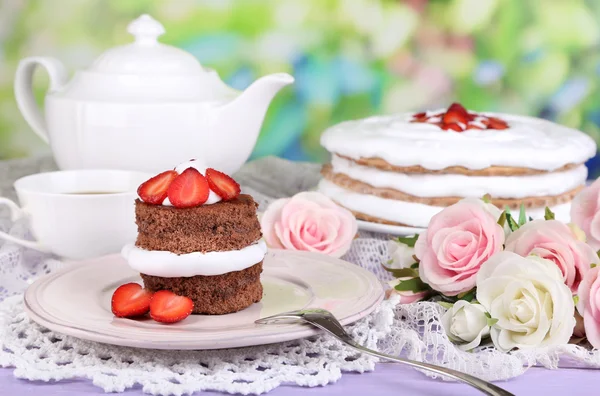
(220, 227)
(226, 225)
(201, 240)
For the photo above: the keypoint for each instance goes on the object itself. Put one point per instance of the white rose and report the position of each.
(530, 300)
(466, 324)
(401, 254)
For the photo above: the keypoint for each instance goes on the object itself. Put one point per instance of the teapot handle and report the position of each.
(24, 90)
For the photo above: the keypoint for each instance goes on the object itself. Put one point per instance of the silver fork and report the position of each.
(325, 320)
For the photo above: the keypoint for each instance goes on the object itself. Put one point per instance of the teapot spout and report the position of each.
(242, 118)
(255, 100)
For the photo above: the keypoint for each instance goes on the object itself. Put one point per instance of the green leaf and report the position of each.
(487, 198)
(502, 219)
(548, 214)
(415, 266)
(522, 216)
(408, 241)
(593, 265)
(402, 272)
(467, 296)
(414, 285)
(575, 300)
(492, 321)
(530, 218)
(512, 224)
(445, 304)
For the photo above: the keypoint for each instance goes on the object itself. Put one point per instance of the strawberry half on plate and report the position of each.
(130, 300)
(168, 307)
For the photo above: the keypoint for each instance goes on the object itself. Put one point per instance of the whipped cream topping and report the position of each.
(170, 265)
(455, 185)
(528, 142)
(409, 213)
(213, 197)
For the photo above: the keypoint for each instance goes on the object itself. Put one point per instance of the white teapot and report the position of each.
(145, 106)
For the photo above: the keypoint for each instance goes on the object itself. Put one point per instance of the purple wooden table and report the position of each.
(387, 379)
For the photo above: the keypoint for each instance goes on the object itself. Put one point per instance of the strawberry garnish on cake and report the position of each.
(223, 185)
(154, 190)
(189, 188)
(459, 119)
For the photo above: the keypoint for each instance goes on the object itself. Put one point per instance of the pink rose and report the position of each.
(585, 212)
(458, 240)
(309, 221)
(554, 241)
(589, 305)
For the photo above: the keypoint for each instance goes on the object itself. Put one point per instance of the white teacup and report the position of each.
(78, 214)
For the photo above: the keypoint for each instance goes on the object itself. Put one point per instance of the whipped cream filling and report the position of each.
(170, 265)
(455, 185)
(409, 213)
(528, 142)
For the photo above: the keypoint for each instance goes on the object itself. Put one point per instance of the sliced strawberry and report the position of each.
(420, 117)
(189, 189)
(458, 108)
(223, 185)
(453, 126)
(456, 113)
(168, 307)
(130, 300)
(471, 116)
(496, 123)
(154, 190)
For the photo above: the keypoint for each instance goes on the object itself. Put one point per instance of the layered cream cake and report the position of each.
(198, 237)
(403, 169)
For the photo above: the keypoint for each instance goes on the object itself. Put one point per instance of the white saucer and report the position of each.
(389, 229)
(76, 301)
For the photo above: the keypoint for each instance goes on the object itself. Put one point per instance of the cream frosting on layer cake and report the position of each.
(170, 265)
(403, 169)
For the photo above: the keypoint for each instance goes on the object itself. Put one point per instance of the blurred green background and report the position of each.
(351, 58)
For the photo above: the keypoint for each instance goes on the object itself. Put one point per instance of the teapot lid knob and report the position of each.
(145, 29)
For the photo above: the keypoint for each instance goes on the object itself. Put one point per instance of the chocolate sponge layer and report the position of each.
(214, 295)
(226, 225)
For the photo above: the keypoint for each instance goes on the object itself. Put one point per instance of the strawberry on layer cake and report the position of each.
(403, 169)
(198, 238)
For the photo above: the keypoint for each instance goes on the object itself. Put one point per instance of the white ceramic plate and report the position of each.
(76, 301)
(388, 229)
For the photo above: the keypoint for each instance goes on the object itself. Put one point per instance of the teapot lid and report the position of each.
(146, 55)
(147, 70)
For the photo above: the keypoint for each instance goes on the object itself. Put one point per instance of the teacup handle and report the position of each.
(16, 213)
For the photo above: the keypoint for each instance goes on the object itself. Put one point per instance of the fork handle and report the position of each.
(485, 387)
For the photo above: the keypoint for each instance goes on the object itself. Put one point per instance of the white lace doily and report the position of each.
(412, 330)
